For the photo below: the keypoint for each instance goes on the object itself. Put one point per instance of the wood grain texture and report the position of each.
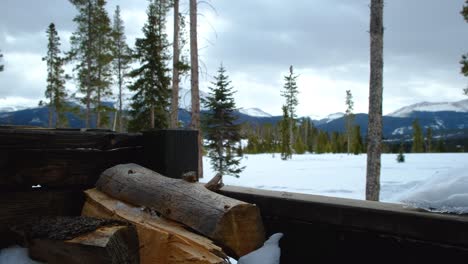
(105, 245)
(23, 168)
(161, 240)
(61, 139)
(18, 207)
(235, 225)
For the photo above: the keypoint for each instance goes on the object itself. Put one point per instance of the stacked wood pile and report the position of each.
(154, 219)
(122, 190)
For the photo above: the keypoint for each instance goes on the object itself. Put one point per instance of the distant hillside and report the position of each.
(448, 120)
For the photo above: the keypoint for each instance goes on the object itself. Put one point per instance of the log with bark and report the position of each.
(76, 240)
(235, 225)
(161, 240)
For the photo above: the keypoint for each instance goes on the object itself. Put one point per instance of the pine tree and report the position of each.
(464, 60)
(1, 65)
(290, 92)
(429, 139)
(418, 141)
(103, 54)
(222, 132)
(401, 156)
(374, 133)
(56, 78)
(286, 148)
(322, 143)
(349, 118)
(83, 51)
(150, 103)
(122, 59)
(356, 147)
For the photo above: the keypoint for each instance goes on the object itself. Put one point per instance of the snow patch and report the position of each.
(445, 192)
(35, 120)
(460, 106)
(15, 255)
(254, 112)
(400, 130)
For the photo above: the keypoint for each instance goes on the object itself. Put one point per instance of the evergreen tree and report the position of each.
(401, 156)
(418, 141)
(122, 59)
(150, 103)
(1, 65)
(55, 90)
(222, 132)
(357, 145)
(85, 51)
(440, 147)
(464, 60)
(103, 55)
(286, 148)
(322, 143)
(429, 139)
(349, 119)
(290, 92)
(335, 142)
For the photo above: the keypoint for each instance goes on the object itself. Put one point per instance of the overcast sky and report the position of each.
(327, 41)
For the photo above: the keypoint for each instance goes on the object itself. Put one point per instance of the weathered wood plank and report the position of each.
(234, 224)
(23, 168)
(66, 139)
(336, 230)
(18, 207)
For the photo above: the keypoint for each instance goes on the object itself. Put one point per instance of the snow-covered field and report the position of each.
(342, 175)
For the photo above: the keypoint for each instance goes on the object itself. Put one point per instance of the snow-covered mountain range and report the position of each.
(445, 118)
(460, 106)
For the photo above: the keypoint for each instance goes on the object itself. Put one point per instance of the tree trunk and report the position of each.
(98, 108)
(88, 66)
(175, 68)
(164, 241)
(50, 113)
(76, 240)
(374, 134)
(120, 114)
(152, 116)
(195, 123)
(235, 225)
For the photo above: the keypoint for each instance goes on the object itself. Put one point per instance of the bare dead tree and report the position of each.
(175, 69)
(195, 113)
(374, 132)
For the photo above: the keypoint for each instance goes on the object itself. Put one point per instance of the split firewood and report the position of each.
(76, 240)
(233, 224)
(161, 240)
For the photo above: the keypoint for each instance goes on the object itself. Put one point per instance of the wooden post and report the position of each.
(171, 152)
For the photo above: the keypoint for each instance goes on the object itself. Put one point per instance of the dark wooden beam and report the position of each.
(52, 168)
(334, 230)
(171, 152)
(66, 139)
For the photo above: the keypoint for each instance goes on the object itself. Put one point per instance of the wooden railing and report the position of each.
(321, 229)
(317, 229)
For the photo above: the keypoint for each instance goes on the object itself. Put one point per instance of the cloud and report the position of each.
(326, 41)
